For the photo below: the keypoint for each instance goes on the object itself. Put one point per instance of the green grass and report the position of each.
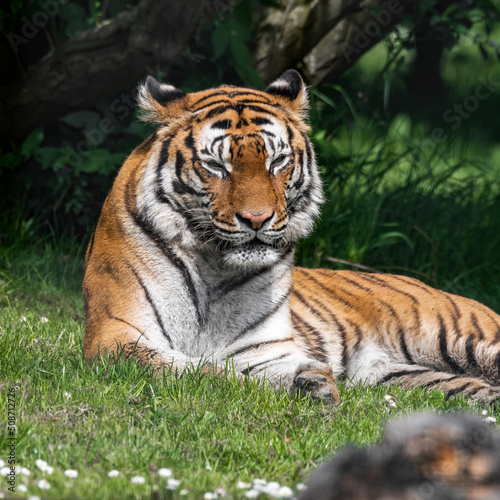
(121, 416)
(393, 205)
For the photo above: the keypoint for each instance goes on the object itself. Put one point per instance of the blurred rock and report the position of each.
(424, 457)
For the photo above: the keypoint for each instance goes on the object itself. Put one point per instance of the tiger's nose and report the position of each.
(256, 220)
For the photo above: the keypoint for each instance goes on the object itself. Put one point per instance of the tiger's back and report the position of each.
(192, 261)
(396, 328)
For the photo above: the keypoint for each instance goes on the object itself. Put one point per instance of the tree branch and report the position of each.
(328, 36)
(98, 62)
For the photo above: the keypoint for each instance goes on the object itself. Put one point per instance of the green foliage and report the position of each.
(114, 414)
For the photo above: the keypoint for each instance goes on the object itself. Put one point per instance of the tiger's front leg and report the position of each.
(290, 369)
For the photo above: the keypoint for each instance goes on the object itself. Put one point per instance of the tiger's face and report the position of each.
(238, 165)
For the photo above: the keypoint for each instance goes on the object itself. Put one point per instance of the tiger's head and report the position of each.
(233, 166)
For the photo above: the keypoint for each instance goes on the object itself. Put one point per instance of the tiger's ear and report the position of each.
(160, 103)
(289, 88)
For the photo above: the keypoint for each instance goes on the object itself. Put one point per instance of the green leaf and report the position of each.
(390, 238)
(32, 142)
(47, 157)
(103, 162)
(82, 120)
(76, 17)
(220, 41)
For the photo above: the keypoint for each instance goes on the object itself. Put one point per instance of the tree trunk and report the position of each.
(98, 62)
(329, 36)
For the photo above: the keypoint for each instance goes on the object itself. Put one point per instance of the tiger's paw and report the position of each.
(316, 379)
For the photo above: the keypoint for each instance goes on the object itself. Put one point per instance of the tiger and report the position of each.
(191, 263)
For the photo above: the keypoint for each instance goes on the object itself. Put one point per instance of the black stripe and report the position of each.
(261, 110)
(226, 102)
(250, 347)
(261, 320)
(373, 278)
(334, 318)
(458, 390)
(458, 314)
(350, 281)
(260, 120)
(232, 284)
(149, 231)
(212, 94)
(439, 380)
(179, 186)
(250, 369)
(160, 192)
(316, 348)
(216, 111)
(109, 315)
(476, 326)
(359, 336)
(469, 349)
(402, 373)
(414, 282)
(153, 305)
(256, 93)
(301, 298)
(326, 289)
(222, 124)
(404, 347)
(443, 348)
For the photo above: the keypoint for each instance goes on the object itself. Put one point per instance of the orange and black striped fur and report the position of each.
(192, 261)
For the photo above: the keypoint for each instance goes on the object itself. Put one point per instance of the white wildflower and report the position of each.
(22, 488)
(43, 319)
(113, 473)
(259, 484)
(242, 485)
(49, 470)
(71, 473)
(24, 471)
(484, 413)
(34, 497)
(23, 319)
(220, 492)
(4, 471)
(137, 480)
(285, 492)
(271, 485)
(43, 484)
(208, 467)
(172, 484)
(210, 496)
(2, 463)
(301, 487)
(163, 472)
(183, 492)
(252, 493)
(392, 404)
(41, 464)
(67, 395)
(388, 397)
(491, 420)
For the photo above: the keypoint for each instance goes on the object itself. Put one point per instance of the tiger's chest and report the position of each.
(205, 310)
